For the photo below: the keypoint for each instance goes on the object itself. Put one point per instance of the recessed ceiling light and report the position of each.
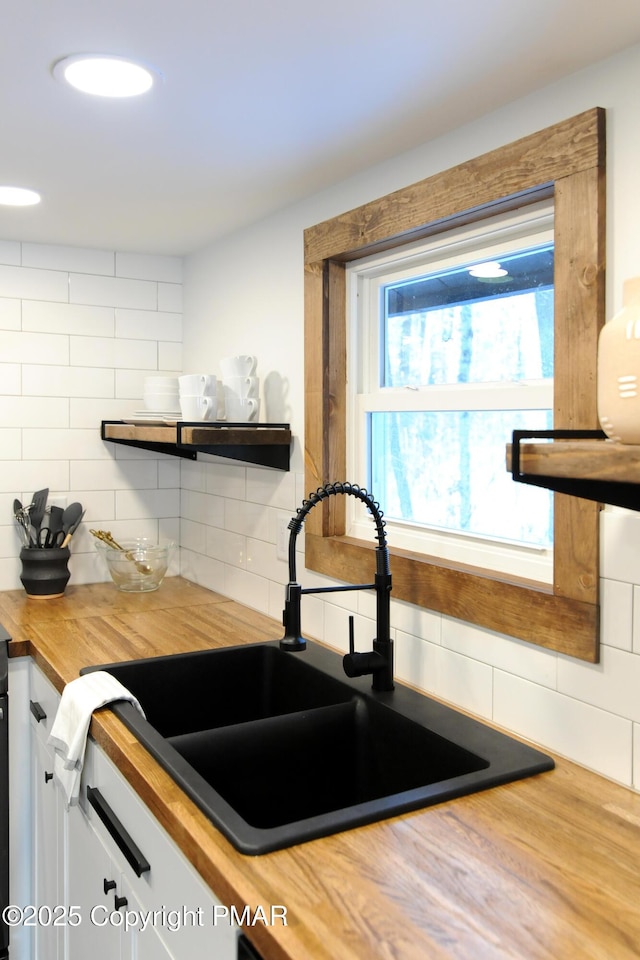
(105, 76)
(18, 197)
(488, 270)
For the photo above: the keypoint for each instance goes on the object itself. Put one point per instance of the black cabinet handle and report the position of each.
(37, 711)
(133, 855)
(120, 902)
(108, 885)
(47, 776)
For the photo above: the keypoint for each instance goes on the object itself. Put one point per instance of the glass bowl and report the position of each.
(140, 566)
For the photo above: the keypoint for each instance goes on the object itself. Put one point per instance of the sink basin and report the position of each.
(278, 748)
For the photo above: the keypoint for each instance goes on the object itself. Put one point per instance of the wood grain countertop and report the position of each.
(546, 868)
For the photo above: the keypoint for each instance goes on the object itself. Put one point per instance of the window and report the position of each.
(565, 163)
(450, 349)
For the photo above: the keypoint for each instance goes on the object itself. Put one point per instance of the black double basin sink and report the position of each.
(278, 748)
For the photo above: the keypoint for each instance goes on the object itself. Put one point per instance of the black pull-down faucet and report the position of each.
(379, 661)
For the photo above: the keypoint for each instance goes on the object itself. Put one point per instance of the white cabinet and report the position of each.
(48, 820)
(20, 825)
(110, 864)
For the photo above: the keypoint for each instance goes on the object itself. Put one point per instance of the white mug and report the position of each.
(198, 408)
(198, 384)
(240, 387)
(243, 365)
(243, 410)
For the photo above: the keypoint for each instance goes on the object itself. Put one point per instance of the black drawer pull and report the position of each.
(132, 853)
(108, 885)
(47, 776)
(37, 711)
(120, 902)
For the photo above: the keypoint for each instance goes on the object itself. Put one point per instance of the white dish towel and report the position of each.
(69, 731)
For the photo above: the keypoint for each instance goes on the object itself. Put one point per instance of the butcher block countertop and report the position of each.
(547, 867)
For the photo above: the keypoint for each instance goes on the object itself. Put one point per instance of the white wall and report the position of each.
(79, 330)
(245, 294)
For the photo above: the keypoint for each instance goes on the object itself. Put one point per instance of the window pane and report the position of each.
(453, 327)
(446, 470)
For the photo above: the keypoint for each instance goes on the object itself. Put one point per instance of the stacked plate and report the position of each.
(161, 397)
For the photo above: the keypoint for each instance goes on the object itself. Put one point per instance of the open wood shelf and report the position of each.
(580, 463)
(264, 444)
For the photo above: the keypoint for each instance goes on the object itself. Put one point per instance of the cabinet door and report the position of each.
(48, 830)
(143, 944)
(90, 872)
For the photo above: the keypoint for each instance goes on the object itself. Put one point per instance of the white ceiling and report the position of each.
(264, 101)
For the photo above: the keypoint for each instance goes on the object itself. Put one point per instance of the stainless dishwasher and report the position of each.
(4, 791)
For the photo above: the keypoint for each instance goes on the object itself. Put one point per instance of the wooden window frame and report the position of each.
(567, 162)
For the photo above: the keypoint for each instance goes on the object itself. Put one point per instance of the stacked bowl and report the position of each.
(161, 395)
(198, 396)
(241, 389)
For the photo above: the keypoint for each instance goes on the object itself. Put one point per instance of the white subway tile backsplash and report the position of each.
(170, 297)
(10, 443)
(620, 545)
(262, 559)
(110, 352)
(246, 588)
(202, 570)
(10, 542)
(416, 661)
(193, 475)
(616, 613)
(202, 508)
(89, 412)
(76, 259)
(226, 480)
(27, 283)
(273, 488)
(169, 472)
(10, 378)
(193, 536)
(10, 313)
(513, 656)
(71, 318)
(635, 634)
(63, 444)
(34, 412)
(417, 621)
(114, 474)
(9, 573)
(57, 381)
(135, 504)
(19, 347)
(27, 476)
(465, 682)
(112, 292)
(593, 737)
(98, 504)
(226, 546)
(613, 684)
(249, 519)
(10, 252)
(149, 267)
(148, 325)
